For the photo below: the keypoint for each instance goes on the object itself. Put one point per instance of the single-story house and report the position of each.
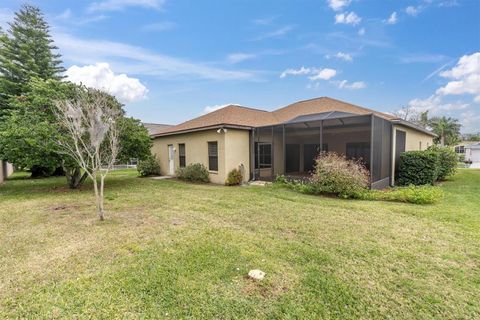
(286, 141)
(472, 153)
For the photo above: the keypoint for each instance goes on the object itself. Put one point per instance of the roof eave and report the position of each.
(413, 126)
(212, 127)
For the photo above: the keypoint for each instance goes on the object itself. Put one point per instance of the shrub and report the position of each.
(418, 168)
(195, 172)
(234, 178)
(411, 194)
(335, 174)
(447, 161)
(148, 167)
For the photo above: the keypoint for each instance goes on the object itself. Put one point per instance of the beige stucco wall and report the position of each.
(233, 150)
(414, 140)
(237, 151)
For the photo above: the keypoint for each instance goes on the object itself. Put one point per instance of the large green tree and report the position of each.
(134, 140)
(447, 130)
(26, 51)
(30, 83)
(28, 133)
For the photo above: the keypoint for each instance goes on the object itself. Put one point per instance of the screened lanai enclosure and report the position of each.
(291, 148)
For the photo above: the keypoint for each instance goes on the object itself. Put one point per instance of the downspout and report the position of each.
(371, 149)
(284, 151)
(253, 154)
(392, 155)
(272, 155)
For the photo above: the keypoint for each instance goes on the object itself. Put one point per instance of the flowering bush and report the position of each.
(335, 174)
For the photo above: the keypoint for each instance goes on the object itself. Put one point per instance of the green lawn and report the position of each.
(175, 250)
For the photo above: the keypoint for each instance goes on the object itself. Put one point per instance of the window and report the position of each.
(213, 156)
(460, 149)
(263, 155)
(181, 154)
(420, 145)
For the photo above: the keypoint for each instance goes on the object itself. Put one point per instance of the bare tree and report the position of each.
(92, 125)
(413, 115)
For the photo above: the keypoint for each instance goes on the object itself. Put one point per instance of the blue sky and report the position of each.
(171, 60)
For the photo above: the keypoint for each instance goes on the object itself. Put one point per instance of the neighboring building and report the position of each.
(460, 147)
(286, 141)
(472, 153)
(6, 169)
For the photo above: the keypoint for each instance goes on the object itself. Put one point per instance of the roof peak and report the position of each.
(240, 106)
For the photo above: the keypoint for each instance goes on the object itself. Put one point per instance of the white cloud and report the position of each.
(315, 73)
(113, 5)
(159, 26)
(392, 19)
(130, 59)
(68, 17)
(209, 109)
(296, 72)
(338, 5)
(352, 86)
(435, 105)
(361, 32)
(340, 55)
(465, 79)
(239, 57)
(465, 76)
(280, 32)
(348, 18)
(323, 74)
(412, 11)
(101, 76)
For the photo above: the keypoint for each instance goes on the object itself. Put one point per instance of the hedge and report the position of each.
(195, 172)
(418, 167)
(447, 161)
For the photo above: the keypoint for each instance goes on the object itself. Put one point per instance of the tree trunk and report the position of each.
(442, 140)
(102, 184)
(74, 177)
(99, 198)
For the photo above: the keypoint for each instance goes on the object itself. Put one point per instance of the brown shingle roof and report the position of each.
(323, 104)
(231, 115)
(234, 115)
